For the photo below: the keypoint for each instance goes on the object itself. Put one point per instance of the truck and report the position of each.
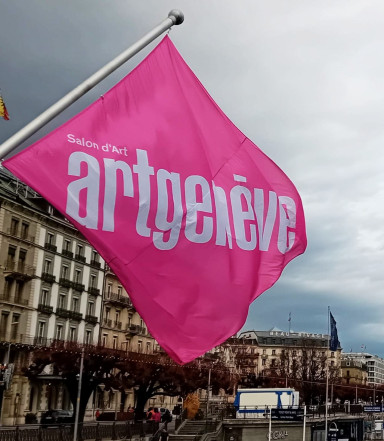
(256, 403)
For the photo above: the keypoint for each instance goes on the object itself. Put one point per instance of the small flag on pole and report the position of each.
(334, 342)
(3, 109)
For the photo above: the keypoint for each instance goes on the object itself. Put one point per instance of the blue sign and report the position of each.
(374, 409)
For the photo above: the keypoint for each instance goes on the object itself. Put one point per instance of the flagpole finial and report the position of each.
(176, 16)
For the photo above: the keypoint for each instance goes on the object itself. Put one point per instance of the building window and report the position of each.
(65, 272)
(90, 308)
(109, 290)
(119, 290)
(50, 239)
(139, 346)
(15, 326)
(19, 287)
(67, 245)
(107, 313)
(114, 342)
(41, 326)
(4, 324)
(47, 266)
(117, 316)
(75, 304)
(93, 281)
(44, 298)
(273, 351)
(62, 301)
(14, 226)
(104, 340)
(88, 337)
(148, 349)
(78, 275)
(79, 249)
(72, 333)
(59, 332)
(95, 256)
(24, 230)
(11, 255)
(263, 362)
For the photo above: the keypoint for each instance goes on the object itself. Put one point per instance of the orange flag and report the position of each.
(3, 109)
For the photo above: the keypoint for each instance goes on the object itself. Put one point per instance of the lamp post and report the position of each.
(78, 395)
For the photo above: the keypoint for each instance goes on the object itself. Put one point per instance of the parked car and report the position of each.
(56, 416)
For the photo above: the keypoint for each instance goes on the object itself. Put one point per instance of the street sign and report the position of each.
(375, 409)
(287, 414)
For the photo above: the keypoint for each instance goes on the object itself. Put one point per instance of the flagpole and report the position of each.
(327, 379)
(175, 17)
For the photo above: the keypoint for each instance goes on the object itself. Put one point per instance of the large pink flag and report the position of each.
(194, 219)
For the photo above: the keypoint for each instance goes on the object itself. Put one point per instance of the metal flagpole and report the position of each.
(175, 17)
(327, 379)
(304, 421)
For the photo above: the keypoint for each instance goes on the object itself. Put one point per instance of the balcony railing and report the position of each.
(46, 309)
(94, 291)
(80, 258)
(95, 263)
(119, 298)
(50, 247)
(62, 312)
(136, 329)
(48, 277)
(91, 319)
(78, 286)
(67, 253)
(66, 283)
(117, 324)
(77, 316)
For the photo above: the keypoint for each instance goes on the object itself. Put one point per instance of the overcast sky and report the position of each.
(304, 80)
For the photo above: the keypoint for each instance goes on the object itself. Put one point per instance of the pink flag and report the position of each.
(192, 217)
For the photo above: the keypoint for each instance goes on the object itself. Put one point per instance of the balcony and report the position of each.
(91, 319)
(62, 312)
(136, 329)
(119, 299)
(94, 291)
(80, 258)
(117, 324)
(45, 309)
(18, 270)
(77, 316)
(50, 247)
(66, 283)
(78, 286)
(95, 263)
(47, 277)
(67, 253)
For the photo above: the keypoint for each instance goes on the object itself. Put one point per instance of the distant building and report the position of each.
(51, 282)
(273, 344)
(353, 371)
(374, 366)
